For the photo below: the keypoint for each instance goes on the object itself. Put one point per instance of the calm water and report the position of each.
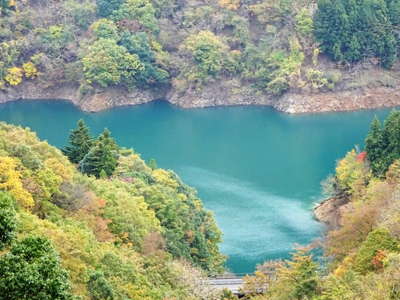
(257, 169)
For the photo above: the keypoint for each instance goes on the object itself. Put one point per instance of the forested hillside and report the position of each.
(362, 251)
(128, 231)
(103, 53)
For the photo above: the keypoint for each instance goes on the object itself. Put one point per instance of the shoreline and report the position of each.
(290, 103)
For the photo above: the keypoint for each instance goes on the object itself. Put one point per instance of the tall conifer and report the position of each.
(102, 157)
(80, 143)
(374, 145)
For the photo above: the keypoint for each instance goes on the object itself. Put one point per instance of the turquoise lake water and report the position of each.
(257, 169)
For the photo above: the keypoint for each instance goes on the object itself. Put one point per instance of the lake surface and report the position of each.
(257, 169)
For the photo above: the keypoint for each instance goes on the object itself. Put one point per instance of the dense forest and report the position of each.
(246, 47)
(127, 231)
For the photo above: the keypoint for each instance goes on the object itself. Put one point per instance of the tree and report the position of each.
(14, 76)
(32, 270)
(351, 173)
(208, 51)
(8, 223)
(80, 143)
(296, 278)
(11, 181)
(107, 63)
(141, 11)
(106, 29)
(99, 287)
(349, 31)
(377, 240)
(374, 146)
(139, 44)
(391, 139)
(102, 157)
(106, 7)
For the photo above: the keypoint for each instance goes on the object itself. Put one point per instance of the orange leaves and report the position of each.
(378, 259)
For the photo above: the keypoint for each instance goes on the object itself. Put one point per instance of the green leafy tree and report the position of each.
(139, 44)
(106, 29)
(32, 270)
(83, 13)
(141, 11)
(107, 63)
(106, 7)
(208, 51)
(8, 223)
(102, 157)
(80, 143)
(99, 288)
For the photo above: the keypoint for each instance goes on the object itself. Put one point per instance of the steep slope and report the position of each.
(139, 234)
(101, 54)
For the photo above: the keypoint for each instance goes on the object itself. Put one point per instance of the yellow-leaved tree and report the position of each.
(30, 70)
(10, 180)
(14, 76)
(352, 173)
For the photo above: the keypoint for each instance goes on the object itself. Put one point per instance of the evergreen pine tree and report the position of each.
(390, 140)
(80, 143)
(102, 157)
(374, 146)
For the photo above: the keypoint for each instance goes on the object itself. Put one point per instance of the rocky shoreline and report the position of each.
(331, 210)
(229, 93)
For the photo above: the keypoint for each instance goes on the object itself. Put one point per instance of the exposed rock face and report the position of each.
(330, 211)
(366, 98)
(220, 93)
(100, 100)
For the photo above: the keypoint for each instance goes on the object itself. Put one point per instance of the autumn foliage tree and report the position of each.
(10, 181)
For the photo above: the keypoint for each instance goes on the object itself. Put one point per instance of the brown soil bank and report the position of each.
(226, 93)
(331, 210)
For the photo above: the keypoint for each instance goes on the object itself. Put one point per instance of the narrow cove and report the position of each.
(258, 170)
